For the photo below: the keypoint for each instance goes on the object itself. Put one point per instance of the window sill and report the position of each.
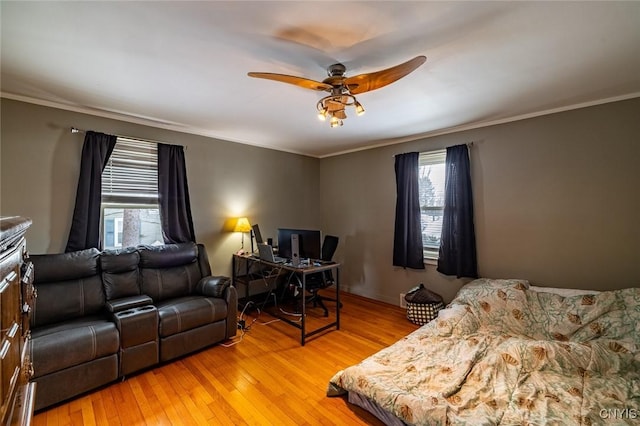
(430, 261)
(430, 256)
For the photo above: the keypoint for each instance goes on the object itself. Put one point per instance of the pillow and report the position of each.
(498, 283)
(564, 292)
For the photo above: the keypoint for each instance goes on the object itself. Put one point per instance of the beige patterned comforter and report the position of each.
(503, 354)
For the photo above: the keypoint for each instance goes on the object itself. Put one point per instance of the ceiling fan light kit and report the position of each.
(333, 107)
(343, 89)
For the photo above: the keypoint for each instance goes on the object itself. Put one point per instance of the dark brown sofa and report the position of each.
(100, 316)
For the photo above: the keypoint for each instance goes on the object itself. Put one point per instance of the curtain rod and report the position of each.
(469, 145)
(76, 130)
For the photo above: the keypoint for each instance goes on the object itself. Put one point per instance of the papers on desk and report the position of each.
(304, 264)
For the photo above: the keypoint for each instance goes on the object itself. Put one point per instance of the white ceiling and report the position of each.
(183, 65)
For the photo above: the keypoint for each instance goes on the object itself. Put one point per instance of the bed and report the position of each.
(505, 352)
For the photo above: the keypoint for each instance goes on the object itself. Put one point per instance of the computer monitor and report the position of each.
(256, 233)
(310, 242)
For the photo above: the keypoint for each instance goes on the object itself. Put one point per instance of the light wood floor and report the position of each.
(266, 379)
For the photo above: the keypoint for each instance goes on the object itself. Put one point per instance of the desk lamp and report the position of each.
(242, 225)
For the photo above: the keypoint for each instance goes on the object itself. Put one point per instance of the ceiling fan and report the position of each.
(343, 89)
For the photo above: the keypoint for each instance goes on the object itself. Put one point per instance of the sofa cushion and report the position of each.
(65, 266)
(186, 313)
(167, 283)
(66, 300)
(168, 255)
(120, 275)
(72, 343)
(170, 270)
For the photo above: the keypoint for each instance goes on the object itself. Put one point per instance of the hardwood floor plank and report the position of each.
(99, 413)
(144, 400)
(265, 379)
(172, 402)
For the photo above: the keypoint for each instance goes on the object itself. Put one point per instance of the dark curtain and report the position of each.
(173, 194)
(85, 225)
(458, 242)
(407, 238)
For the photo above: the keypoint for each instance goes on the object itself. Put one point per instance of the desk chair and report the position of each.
(321, 280)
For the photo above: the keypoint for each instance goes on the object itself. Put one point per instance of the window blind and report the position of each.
(131, 173)
(432, 157)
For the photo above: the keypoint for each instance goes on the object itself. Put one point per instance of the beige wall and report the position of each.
(40, 166)
(556, 197)
(557, 201)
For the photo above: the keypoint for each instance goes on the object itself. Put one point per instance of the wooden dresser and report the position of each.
(16, 297)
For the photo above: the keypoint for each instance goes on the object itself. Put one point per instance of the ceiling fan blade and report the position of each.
(298, 81)
(366, 82)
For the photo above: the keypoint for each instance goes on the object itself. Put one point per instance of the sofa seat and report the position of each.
(189, 312)
(65, 344)
(70, 343)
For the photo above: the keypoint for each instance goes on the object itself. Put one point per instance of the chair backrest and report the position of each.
(329, 246)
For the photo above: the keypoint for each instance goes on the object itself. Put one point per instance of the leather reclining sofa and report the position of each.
(99, 316)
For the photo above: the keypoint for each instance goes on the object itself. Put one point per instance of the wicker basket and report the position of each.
(423, 305)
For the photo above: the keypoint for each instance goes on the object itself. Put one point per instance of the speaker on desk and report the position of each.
(295, 249)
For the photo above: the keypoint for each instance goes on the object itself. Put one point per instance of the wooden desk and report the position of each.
(301, 272)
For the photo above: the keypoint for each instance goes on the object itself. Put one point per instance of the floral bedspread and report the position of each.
(504, 354)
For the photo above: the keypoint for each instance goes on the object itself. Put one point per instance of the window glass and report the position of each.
(127, 226)
(431, 193)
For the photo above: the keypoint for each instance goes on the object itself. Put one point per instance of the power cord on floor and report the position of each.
(242, 322)
(234, 342)
(293, 314)
(242, 326)
(269, 322)
(275, 302)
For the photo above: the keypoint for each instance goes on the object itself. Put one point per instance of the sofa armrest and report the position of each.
(213, 286)
(123, 303)
(220, 286)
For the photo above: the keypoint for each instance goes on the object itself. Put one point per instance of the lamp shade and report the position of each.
(242, 225)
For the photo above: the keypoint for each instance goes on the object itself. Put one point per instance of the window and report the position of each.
(431, 182)
(130, 211)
